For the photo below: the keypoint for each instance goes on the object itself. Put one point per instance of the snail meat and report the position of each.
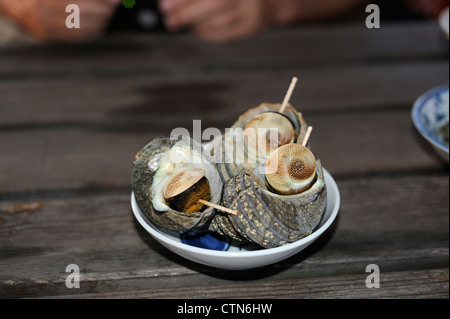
(185, 190)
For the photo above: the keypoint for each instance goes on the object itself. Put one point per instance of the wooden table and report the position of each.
(73, 117)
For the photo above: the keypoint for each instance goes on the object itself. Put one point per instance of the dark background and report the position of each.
(131, 19)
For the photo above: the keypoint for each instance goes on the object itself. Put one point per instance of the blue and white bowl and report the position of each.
(430, 114)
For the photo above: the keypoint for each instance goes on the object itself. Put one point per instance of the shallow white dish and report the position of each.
(238, 258)
(429, 114)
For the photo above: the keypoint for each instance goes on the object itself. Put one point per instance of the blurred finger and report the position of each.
(195, 12)
(219, 29)
(113, 2)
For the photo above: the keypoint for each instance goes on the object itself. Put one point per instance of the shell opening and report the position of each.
(180, 157)
(266, 132)
(184, 191)
(291, 169)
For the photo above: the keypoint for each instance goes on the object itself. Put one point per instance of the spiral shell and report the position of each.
(156, 166)
(268, 219)
(230, 150)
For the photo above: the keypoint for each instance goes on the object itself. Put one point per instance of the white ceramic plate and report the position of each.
(240, 258)
(429, 114)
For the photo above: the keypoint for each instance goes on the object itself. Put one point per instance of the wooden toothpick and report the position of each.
(288, 95)
(306, 138)
(224, 209)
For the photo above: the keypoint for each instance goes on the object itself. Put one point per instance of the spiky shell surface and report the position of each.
(155, 165)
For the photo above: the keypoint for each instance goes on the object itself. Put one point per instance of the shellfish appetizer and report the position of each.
(254, 136)
(171, 180)
(279, 207)
(257, 183)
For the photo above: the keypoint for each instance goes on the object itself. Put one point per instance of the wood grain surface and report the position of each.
(73, 117)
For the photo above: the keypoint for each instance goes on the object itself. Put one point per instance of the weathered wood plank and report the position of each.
(65, 159)
(280, 48)
(146, 101)
(422, 284)
(399, 223)
(60, 158)
(65, 171)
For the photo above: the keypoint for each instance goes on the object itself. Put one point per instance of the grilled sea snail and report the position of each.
(269, 130)
(272, 215)
(169, 178)
(261, 168)
(242, 148)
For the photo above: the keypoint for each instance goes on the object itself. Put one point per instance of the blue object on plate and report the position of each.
(205, 239)
(430, 114)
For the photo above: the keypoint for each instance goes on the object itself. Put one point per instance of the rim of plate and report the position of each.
(418, 105)
(329, 181)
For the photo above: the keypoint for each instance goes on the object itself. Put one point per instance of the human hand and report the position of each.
(217, 21)
(46, 19)
(428, 8)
